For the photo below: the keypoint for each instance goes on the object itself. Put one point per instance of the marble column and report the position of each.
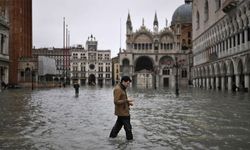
(217, 83)
(204, 83)
(197, 82)
(246, 79)
(237, 81)
(229, 81)
(222, 83)
(208, 83)
(194, 82)
(212, 82)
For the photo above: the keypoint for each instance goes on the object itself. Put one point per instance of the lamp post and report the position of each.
(176, 79)
(53, 77)
(64, 81)
(177, 64)
(32, 75)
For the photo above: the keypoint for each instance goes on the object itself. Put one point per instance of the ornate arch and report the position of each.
(206, 71)
(239, 19)
(125, 62)
(247, 64)
(164, 37)
(166, 60)
(144, 62)
(195, 73)
(199, 72)
(239, 66)
(230, 67)
(143, 34)
(236, 25)
(223, 68)
(125, 66)
(212, 70)
(216, 69)
(202, 71)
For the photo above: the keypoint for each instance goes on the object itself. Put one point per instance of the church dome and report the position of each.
(183, 14)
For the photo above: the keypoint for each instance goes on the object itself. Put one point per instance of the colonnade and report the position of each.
(231, 74)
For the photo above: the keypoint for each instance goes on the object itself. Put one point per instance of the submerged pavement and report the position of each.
(56, 119)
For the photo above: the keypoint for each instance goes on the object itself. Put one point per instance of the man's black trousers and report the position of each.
(122, 121)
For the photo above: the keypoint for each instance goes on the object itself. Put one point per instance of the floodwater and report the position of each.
(54, 119)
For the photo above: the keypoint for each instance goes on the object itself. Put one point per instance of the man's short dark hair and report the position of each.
(126, 79)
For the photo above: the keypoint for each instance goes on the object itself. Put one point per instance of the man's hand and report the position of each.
(130, 102)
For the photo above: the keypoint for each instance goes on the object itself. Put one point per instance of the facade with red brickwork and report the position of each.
(20, 42)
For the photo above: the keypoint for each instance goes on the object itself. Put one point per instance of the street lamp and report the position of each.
(65, 80)
(53, 77)
(32, 75)
(177, 65)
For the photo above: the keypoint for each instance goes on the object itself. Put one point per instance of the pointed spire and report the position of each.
(143, 22)
(166, 22)
(155, 26)
(129, 24)
(128, 18)
(155, 20)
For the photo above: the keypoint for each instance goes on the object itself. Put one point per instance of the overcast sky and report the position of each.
(102, 18)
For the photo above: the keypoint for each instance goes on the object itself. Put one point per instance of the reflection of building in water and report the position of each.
(221, 44)
(150, 56)
(91, 66)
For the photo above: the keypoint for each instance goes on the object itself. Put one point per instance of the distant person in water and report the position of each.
(3, 85)
(76, 87)
(122, 104)
(234, 87)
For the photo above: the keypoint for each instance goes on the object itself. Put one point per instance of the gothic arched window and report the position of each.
(197, 20)
(217, 4)
(206, 11)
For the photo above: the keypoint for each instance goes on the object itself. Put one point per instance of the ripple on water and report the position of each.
(56, 119)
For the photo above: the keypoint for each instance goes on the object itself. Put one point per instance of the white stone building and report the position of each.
(221, 44)
(115, 70)
(46, 66)
(4, 47)
(91, 66)
(151, 56)
(62, 60)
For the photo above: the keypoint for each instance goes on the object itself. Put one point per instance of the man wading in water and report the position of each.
(122, 104)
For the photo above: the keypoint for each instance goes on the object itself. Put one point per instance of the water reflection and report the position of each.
(56, 119)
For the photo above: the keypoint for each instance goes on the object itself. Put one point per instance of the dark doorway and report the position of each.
(100, 82)
(27, 75)
(165, 82)
(92, 80)
(144, 63)
(83, 81)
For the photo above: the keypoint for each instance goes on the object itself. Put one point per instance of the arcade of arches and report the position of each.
(149, 72)
(230, 74)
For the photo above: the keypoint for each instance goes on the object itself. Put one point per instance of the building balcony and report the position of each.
(229, 5)
(4, 57)
(4, 22)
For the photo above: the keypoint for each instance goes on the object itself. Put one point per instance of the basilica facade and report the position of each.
(159, 58)
(221, 44)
